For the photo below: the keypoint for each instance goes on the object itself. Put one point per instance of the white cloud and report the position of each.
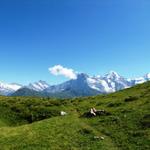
(60, 70)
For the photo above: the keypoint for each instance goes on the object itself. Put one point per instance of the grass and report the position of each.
(30, 123)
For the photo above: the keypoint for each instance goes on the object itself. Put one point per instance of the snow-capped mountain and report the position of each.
(6, 89)
(109, 83)
(140, 80)
(83, 85)
(74, 87)
(116, 82)
(38, 86)
(74, 83)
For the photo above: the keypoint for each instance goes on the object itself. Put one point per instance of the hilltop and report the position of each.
(36, 123)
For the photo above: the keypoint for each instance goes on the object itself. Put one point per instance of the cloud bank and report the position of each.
(60, 70)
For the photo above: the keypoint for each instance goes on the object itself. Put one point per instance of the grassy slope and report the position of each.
(128, 126)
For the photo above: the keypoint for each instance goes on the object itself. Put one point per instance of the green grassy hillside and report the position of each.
(29, 123)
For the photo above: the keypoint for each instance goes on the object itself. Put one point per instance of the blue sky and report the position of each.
(91, 36)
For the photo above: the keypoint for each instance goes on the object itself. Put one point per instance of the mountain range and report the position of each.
(83, 85)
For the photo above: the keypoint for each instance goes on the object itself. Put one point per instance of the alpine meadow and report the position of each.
(75, 75)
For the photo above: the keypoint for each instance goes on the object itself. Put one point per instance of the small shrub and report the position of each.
(145, 121)
(86, 130)
(99, 103)
(131, 98)
(137, 133)
(114, 104)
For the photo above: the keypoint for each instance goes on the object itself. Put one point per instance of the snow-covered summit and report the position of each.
(6, 89)
(38, 86)
(112, 75)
